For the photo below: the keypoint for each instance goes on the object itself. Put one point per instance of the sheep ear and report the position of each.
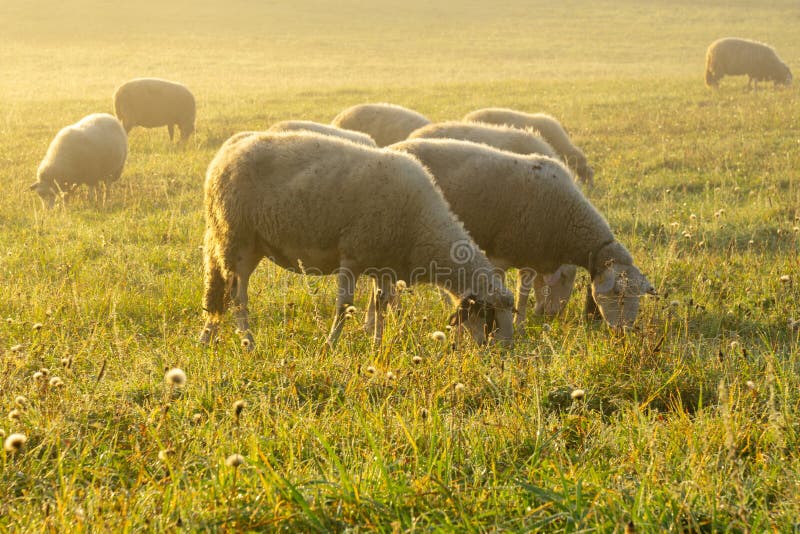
(604, 282)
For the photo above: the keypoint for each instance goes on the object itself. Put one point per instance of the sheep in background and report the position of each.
(502, 137)
(318, 204)
(324, 129)
(385, 123)
(735, 57)
(526, 212)
(91, 151)
(548, 127)
(152, 102)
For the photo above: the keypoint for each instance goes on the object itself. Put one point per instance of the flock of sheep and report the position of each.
(384, 193)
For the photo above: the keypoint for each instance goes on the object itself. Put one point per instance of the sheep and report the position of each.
(324, 129)
(91, 151)
(385, 123)
(526, 212)
(317, 204)
(548, 127)
(502, 137)
(733, 57)
(152, 102)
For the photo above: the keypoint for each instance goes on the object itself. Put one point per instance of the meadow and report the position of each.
(688, 423)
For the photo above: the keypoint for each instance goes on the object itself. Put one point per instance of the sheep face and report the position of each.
(616, 290)
(556, 291)
(483, 319)
(786, 78)
(45, 189)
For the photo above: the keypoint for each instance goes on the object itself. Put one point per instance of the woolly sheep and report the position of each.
(91, 151)
(385, 123)
(324, 129)
(318, 204)
(152, 102)
(526, 212)
(502, 137)
(735, 57)
(548, 127)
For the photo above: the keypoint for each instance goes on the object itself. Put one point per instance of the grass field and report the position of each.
(690, 424)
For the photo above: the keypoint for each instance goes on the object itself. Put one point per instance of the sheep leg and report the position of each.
(526, 280)
(346, 280)
(214, 297)
(171, 129)
(382, 295)
(245, 266)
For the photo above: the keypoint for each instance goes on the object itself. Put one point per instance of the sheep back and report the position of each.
(324, 129)
(385, 123)
(548, 127)
(152, 103)
(502, 137)
(732, 56)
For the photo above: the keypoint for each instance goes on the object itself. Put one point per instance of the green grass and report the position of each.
(117, 288)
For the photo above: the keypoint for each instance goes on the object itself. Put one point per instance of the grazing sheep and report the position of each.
(152, 102)
(502, 137)
(91, 151)
(526, 212)
(317, 204)
(385, 123)
(324, 129)
(735, 57)
(548, 127)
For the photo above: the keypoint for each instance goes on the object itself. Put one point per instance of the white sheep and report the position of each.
(503, 137)
(548, 127)
(324, 129)
(734, 57)
(91, 151)
(385, 123)
(526, 212)
(152, 103)
(318, 204)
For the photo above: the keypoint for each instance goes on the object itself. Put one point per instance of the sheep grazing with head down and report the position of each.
(317, 204)
(548, 127)
(324, 129)
(91, 151)
(385, 123)
(152, 103)
(526, 212)
(736, 57)
(502, 137)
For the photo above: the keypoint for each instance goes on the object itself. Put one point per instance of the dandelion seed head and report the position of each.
(17, 348)
(37, 376)
(197, 418)
(66, 362)
(37, 326)
(751, 242)
(351, 310)
(737, 189)
(56, 382)
(21, 402)
(693, 217)
(734, 345)
(245, 343)
(164, 454)
(401, 286)
(175, 377)
(416, 360)
(750, 385)
(234, 460)
(371, 370)
(439, 336)
(45, 371)
(15, 414)
(390, 375)
(786, 278)
(14, 442)
(238, 407)
(459, 387)
(577, 394)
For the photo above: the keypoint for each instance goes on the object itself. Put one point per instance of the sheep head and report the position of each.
(491, 317)
(46, 190)
(616, 290)
(556, 290)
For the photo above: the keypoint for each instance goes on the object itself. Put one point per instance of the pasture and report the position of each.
(690, 423)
